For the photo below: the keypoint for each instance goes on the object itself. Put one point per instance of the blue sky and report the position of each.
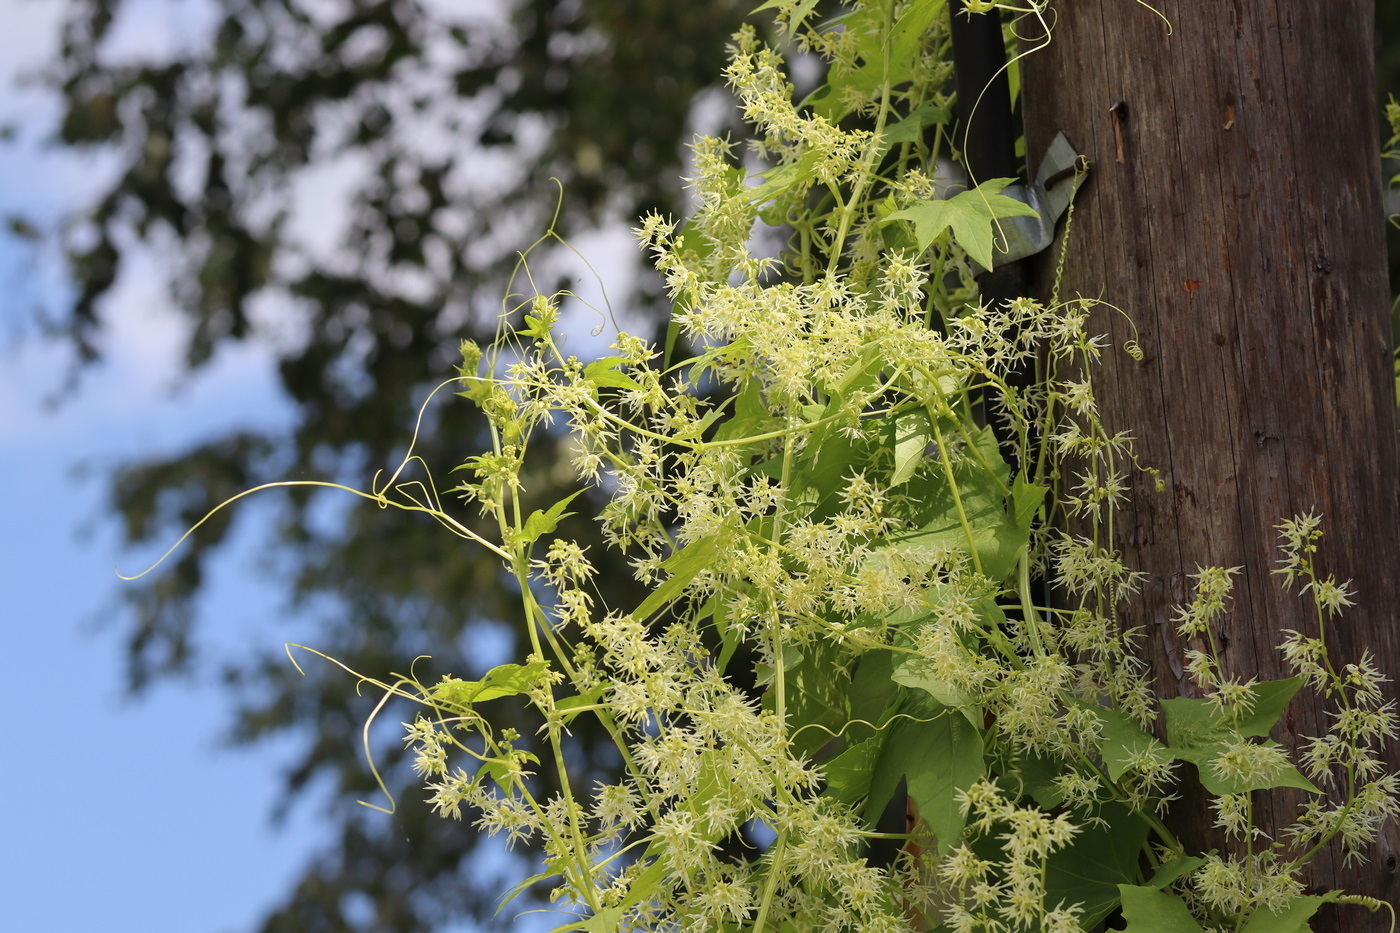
(122, 815)
(130, 814)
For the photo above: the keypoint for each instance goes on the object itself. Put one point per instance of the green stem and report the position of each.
(946, 462)
(534, 622)
(770, 888)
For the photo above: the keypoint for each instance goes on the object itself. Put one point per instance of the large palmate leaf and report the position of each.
(971, 215)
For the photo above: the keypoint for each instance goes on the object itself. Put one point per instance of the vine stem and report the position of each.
(534, 622)
(946, 463)
(848, 208)
(770, 887)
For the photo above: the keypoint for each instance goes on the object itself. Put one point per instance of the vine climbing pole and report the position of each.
(1234, 215)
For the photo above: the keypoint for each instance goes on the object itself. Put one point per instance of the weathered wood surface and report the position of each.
(1240, 228)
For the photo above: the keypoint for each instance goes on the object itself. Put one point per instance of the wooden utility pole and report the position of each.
(1234, 214)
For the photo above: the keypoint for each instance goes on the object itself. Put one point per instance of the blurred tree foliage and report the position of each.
(433, 127)
(432, 130)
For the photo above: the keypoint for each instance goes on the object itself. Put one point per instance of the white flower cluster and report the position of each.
(816, 488)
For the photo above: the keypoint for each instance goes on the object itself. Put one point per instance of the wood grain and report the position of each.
(1234, 214)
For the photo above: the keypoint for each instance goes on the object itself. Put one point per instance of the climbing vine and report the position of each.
(846, 505)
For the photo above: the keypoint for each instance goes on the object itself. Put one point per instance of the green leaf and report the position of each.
(848, 775)
(1199, 721)
(911, 128)
(971, 215)
(534, 327)
(996, 538)
(730, 636)
(602, 374)
(796, 16)
(938, 754)
(569, 707)
(607, 920)
(645, 884)
(1025, 499)
(827, 464)
(1286, 776)
(1271, 698)
(500, 769)
(874, 694)
(502, 680)
(1148, 910)
(544, 522)
(1101, 857)
(884, 54)
(1122, 739)
(862, 373)
(750, 415)
(780, 178)
(1036, 776)
(1176, 868)
(816, 685)
(1200, 732)
(713, 786)
(697, 429)
(684, 566)
(1204, 757)
(918, 674)
(1293, 918)
(516, 890)
(1194, 723)
(912, 435)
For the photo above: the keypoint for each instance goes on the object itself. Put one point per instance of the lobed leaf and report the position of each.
(971, 215)
(1148, 910)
